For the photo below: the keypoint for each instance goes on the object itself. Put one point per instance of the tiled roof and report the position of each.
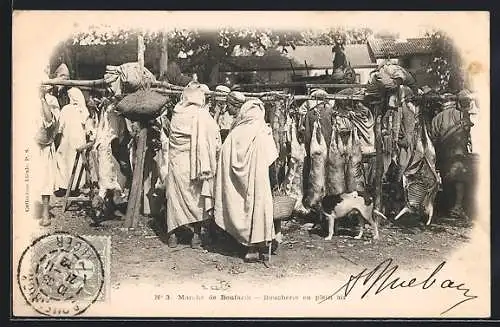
(383, 48)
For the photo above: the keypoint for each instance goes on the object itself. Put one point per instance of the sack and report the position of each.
(143, 105)
(131, 77)
(396, 71)
(384, 79)
(126, 78)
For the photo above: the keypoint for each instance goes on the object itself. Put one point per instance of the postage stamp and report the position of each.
(61, 274)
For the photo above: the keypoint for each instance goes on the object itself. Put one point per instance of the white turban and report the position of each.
(193, 93)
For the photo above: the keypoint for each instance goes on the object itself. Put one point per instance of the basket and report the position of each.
(283, 206)
(142, 105)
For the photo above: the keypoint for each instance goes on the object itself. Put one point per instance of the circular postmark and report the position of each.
(60, 274)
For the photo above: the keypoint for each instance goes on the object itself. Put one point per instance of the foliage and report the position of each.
(445, 64)
(223, 42)
(204, 48)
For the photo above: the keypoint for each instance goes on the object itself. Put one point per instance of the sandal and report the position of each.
(172, 241)
(252, 257)
(196, 241)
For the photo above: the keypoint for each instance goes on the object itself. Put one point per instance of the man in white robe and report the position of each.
(47, 126)
(243, 198)
(73, 122)
(194, 142)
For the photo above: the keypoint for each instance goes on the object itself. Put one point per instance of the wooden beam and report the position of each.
(76, 83)
(269, 95)
(335, 85)
(281, 69)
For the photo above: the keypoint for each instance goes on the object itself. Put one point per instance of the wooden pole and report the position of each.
(379, 160)
(140, 52)
(164, 54)
(134, 201)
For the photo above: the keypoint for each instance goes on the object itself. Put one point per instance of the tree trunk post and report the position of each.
(134, 202)
(140, 52)
(163, 54)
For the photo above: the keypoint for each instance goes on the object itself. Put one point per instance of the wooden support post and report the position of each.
(134, 201)
(135, 197)
(379, 159)
(140, 53)
(164, 54)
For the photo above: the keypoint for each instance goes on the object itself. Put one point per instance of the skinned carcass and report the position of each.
(316, 180)
(335, 183)
(113, 168)
(277, 119)
(421, 181)
(293, 180)
(355, 178)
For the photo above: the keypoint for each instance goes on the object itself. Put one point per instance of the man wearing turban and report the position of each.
(450, 130)
(194, 143)
(61, 92)
(243, 198)
(47, 123)
(74, 124)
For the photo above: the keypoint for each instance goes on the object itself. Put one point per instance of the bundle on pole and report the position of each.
(142, 105)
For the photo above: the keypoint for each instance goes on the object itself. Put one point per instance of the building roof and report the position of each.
(384, 48)
(316, 57)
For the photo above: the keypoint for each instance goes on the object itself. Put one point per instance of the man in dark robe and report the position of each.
(175, 76)
(450, 131)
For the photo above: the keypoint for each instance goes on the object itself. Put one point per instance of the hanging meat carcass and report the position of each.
(420, 179)
(355, 180)
(277, 120)
(335, 183)
(112, 166)
(294, 181)
(316, 180)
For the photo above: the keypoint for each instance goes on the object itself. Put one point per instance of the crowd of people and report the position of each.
(214, 157)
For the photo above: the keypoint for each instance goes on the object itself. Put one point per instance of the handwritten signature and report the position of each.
(384, 272)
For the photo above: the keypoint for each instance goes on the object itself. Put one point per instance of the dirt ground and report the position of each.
(142, 254)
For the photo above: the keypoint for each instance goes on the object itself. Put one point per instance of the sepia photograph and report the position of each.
(312, 164)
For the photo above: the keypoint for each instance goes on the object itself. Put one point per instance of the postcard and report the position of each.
(309, 164)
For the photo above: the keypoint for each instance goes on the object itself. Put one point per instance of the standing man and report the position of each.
(74, 124)
(339, 57)
(47, 125)
(450, 131)
(243, 197)
(194, 143)
(222, 115)
(61, 92)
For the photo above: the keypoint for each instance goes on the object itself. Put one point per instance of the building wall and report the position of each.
(392, 60)
(364, 74)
